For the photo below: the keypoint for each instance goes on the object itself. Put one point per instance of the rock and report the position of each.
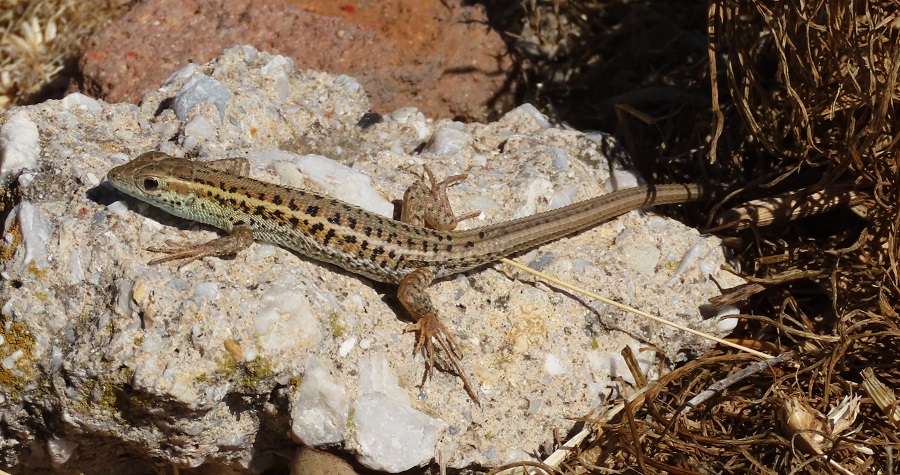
(320, 408)
(20, 147)
(309, 461)
(439, 55)
(392, 436)
(106, 361)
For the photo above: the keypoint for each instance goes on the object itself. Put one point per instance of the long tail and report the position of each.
(512, 236)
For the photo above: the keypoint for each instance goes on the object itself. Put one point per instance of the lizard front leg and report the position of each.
(238, 240)
(427, 204)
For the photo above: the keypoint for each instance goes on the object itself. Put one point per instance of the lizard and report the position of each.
(410, 253)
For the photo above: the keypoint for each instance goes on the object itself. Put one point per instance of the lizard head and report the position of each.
(149, 177)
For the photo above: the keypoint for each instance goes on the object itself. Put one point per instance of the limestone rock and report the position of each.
(105, 359)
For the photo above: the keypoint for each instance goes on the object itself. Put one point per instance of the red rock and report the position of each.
(441, 58)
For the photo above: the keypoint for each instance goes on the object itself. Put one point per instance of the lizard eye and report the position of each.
(151, 184)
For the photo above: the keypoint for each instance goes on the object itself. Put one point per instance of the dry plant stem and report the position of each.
(511, 468)
(634, 367)
(551, 464)
(637, 451)
(638, 399)
(723, 384)
(598, 421)
(737, 294)
(807, 335)
(669, 378)
(633, 310)
(785, 277)
(883, 396)
(839, 468)
(719, 118)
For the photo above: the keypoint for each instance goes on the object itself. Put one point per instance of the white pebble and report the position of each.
(346, 347)
(278, 64)
(340, 180)
(404, 114)
(726, 325)
(535, 189)
(184, 72)
(375, 376)
(622, 179)
(118, 208)
(347, 83)
(392, 436)
(60, 450)
(19, 145)
(274, 156)
(77, 100)
(200, 129)
(91, 179)
(36, 231)
(559, 157)
(689, 258)
(554, 366)
(530, 111)
(10, 361)
(279, 69)
(288, 174)
(250, 53)
(564, 197)
(201, 88)
(285, 320)
(447, 141)
(25, 179)
(206, 291)
(152, 343)
(76, 269)
(319, 408)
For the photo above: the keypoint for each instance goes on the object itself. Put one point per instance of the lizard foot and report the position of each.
(430, 331)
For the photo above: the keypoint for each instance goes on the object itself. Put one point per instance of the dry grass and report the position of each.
(40, 42)
(787, 98)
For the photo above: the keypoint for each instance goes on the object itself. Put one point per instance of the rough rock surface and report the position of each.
(105, 359)
(438, 55)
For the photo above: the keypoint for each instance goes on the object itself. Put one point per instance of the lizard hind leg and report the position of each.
(428, 327)
(426, 204)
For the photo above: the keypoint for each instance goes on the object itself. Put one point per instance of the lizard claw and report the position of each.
(429, 330)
